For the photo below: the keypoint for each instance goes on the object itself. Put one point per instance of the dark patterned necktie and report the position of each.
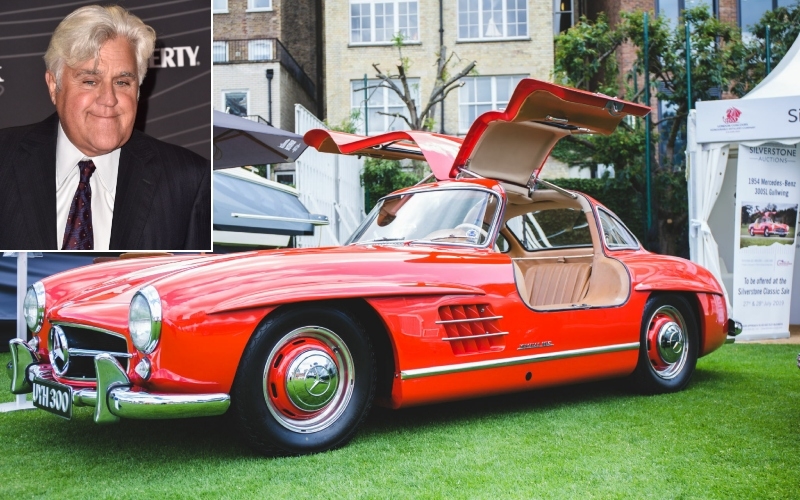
(78, 234)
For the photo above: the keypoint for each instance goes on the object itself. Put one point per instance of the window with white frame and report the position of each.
(259, 50)
(492, 19)
(220, 52)
(481, 94)
(220, 6)
(381, 103)
(257, 5)
(379, 21)
(236, 102)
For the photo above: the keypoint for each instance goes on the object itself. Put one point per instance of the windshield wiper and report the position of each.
(382, 239)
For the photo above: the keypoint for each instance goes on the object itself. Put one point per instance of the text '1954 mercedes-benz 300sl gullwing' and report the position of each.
(482, 279)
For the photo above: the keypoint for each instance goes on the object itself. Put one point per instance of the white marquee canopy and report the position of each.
(769, 113)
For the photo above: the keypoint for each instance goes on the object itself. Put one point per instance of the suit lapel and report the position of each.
(136, 185)
(35, 172)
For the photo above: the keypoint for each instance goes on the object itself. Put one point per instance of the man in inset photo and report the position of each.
(84, 178)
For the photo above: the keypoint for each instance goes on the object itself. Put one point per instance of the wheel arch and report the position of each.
(694, 303)
(374, 327)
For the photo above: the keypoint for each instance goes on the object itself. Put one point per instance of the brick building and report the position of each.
(509, 40)
(267, 57)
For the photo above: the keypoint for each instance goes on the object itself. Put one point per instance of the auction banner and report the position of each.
(767, 198)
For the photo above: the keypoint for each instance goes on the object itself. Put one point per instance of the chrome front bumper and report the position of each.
(113, 398)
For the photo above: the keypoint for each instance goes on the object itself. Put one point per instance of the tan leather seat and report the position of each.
(557, 283)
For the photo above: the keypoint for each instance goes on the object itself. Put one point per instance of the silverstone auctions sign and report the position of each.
(748, 120)
(767, 198)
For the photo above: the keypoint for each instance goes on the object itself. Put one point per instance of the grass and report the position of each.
(733, 433)
(759, 240)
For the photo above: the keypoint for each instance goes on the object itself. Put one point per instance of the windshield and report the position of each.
(460, 216)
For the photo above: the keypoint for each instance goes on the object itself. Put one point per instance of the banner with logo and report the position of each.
(748, 119)
(767, 199)
(175, 98)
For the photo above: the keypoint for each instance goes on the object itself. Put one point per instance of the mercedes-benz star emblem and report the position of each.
(59, 350)
(321, 380)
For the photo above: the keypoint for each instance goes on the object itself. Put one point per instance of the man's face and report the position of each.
(97, 102)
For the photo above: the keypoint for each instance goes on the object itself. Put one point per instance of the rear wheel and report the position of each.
(305, 382)
(669, 345)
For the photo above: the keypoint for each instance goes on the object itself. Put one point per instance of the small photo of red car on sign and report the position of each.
(768, 224)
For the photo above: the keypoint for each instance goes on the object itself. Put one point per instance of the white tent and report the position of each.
(767, 114)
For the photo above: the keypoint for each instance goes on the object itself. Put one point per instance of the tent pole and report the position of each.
(688, 69)
(647, 123)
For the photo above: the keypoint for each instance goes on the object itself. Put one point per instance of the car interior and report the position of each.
(555, 247)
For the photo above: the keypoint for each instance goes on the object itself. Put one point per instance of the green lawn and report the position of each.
(734, 433)
(760, 240)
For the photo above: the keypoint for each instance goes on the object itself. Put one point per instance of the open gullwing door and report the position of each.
(512, 145)
(438, 150)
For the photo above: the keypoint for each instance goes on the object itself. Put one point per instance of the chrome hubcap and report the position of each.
(670, 342)
(308, 379)
(667, 342)
(312, 380)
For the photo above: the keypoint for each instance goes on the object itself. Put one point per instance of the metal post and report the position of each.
(647, 121)
(366, 107)
(769, 54)
(688, 69)
(21, 401)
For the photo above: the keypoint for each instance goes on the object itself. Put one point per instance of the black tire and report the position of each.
(668, 365)
(766, 233)
(752, 232)
(327, 399)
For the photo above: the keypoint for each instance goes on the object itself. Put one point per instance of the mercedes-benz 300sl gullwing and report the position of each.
(480, 280)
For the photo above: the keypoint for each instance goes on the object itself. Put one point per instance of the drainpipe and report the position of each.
(270, 74)
(441, 44)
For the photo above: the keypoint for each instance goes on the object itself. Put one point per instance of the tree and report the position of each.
(381, 177)
(422, 118)
(721, 63)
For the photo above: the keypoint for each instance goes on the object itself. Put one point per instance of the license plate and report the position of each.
(53, 397)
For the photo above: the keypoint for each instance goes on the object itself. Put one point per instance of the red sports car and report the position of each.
(482, 280)
(766, 226)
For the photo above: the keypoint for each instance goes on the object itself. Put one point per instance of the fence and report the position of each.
(328, 185)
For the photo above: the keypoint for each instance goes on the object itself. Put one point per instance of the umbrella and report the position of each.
(239, 141)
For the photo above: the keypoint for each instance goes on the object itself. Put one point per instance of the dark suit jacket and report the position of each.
(163, 197)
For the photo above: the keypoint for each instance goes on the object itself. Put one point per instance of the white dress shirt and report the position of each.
(103, 183)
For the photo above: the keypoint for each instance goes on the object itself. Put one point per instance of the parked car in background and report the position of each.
(482, 279)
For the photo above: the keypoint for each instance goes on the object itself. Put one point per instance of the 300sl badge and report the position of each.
(535, 345)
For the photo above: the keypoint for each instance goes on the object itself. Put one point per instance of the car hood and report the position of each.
(216, 284)
(509, 145)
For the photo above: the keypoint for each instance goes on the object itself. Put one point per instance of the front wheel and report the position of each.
(305, 382)
(669, 345)
(752, 232)
(766, 233)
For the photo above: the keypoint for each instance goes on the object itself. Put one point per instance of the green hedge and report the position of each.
(617, 195)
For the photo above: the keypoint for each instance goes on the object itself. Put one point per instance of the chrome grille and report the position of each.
(86, 342)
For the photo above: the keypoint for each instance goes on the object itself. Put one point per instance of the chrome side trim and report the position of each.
(467, 320)
(92, 353)
(470, 337)
(520, 360)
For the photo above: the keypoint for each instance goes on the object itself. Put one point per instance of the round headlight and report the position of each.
(144, 319)
(33, 307)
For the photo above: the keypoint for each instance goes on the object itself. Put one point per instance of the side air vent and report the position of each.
(471, 329)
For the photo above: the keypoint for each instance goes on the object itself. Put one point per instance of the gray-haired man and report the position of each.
(83, 179)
